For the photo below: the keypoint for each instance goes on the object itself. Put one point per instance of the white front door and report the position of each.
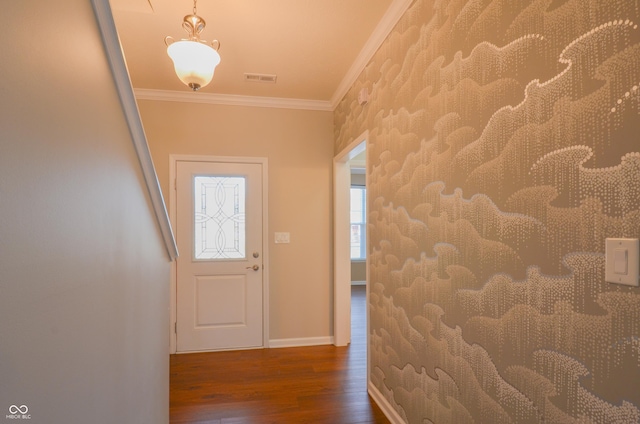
(219, 270)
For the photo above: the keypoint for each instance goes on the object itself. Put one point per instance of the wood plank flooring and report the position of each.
(318, 384)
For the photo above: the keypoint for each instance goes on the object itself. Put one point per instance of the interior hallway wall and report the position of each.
(503, 150)
(84, 272)
(298, 145)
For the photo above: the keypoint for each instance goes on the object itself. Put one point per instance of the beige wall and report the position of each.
(298, 145)
(503, 150)
(84, 273)
(358, 271)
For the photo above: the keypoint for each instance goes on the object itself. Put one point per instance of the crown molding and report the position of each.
(231, 100)
(357, 166)
(391, 17)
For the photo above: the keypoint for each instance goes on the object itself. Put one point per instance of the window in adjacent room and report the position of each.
(358, 222)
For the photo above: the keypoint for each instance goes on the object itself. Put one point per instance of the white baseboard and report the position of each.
(384, 405)
(306, 341)
(358, 283)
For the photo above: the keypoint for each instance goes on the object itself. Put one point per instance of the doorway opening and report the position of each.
(358, 251)
(355, 152)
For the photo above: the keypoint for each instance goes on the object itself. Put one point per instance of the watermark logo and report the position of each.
(18, 413)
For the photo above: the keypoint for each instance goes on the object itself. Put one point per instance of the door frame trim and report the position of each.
(341, 247)
(173, 162)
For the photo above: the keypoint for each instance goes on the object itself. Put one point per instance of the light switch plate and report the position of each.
(622, 261)
(282, 238)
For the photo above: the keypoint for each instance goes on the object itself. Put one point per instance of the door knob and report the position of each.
(255, 267)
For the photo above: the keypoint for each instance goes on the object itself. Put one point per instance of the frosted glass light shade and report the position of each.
(194, 62)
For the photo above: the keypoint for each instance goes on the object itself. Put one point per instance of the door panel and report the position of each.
(219, 270)
(220, 300)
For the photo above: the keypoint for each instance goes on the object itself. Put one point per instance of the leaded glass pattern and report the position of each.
(219, 217)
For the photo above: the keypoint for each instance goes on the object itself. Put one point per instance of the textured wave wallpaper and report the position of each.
(504, 148)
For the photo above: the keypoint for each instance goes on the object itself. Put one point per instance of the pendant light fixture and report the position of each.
(193, 59)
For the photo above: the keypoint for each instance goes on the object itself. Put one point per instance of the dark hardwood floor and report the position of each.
(319, 384)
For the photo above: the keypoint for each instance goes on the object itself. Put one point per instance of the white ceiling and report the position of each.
(313, 46)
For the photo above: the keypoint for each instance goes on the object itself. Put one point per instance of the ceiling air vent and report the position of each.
(260, 78)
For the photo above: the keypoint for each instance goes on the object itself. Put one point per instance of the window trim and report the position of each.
(363, 224)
